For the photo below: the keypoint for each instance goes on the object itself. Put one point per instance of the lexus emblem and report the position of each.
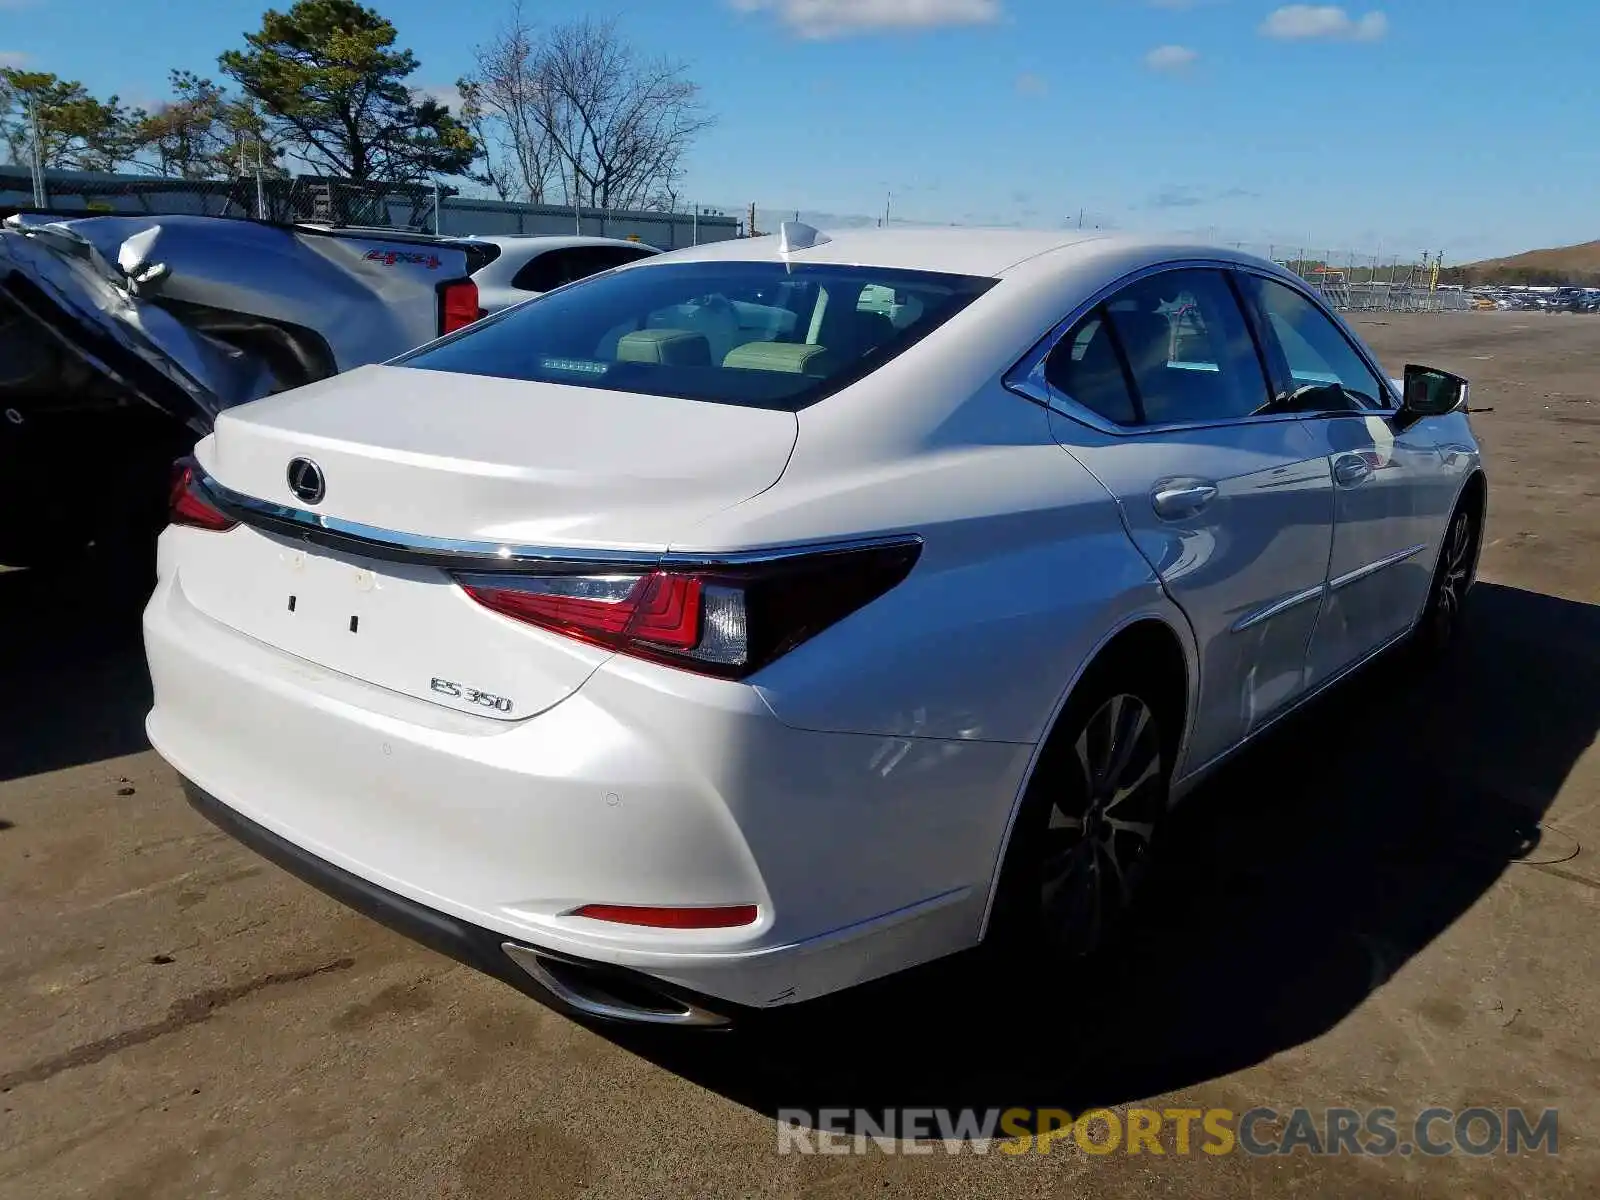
(306, 481)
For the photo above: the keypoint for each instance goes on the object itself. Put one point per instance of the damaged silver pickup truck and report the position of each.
(122, 338)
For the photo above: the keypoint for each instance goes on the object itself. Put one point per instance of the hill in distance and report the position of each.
(1560, 264)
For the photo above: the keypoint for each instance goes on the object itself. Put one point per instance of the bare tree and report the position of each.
(504, 104)
(621, 124)
(578, 108)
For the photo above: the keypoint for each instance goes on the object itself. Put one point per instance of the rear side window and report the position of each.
(1087, 368)
(765, 335)
(556, 268)
(1172, 348)
(1188, 348)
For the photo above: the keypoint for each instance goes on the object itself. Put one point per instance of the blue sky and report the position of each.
(1463, 125)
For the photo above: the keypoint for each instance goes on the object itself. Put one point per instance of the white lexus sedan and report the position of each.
(759, 619)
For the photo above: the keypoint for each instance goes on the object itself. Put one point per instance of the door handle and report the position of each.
(1351, 470)
(1176, 499)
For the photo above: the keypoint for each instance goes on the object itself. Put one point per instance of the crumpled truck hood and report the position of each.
(121, 294)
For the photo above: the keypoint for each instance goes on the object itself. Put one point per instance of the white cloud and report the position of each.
(446, 93)
(1171, 58)
(1029, 84)
(844, 18)
(1323, 22)
(11, 58)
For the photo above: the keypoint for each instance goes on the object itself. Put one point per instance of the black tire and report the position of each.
(1084, 839)
(1453, 575)
(87, 488)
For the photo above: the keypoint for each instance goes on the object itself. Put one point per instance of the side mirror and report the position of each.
(1430, 392)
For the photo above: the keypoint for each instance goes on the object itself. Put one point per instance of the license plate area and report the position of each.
(402, 627)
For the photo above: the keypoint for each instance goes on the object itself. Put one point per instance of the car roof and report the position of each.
(981, 252)
(541, 242)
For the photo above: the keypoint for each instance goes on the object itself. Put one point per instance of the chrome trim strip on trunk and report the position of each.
(1373, 568)
(1277, 608)
(452, 554)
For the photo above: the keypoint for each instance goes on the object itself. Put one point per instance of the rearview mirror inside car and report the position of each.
(1430, 392)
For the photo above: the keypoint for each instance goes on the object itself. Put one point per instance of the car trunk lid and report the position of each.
(426, 463)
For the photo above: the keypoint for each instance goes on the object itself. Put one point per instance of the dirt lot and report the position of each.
(1392, 901)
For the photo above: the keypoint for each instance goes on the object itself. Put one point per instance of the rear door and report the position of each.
(1380, 565)
(1157, 392)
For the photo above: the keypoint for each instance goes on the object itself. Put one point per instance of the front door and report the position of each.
(1380, 565)
(1232, 508)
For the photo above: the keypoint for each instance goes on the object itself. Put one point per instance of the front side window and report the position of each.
(1172, 348)
(1316, 367)
(760, 334)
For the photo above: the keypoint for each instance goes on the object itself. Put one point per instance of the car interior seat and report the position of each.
(668, 347)
(794, 358)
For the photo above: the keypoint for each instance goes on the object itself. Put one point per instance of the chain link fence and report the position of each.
(1349, 280)
(417, 208)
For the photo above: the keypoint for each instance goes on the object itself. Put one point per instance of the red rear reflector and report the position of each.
(458, 305)
(187, 504)
(728, 917)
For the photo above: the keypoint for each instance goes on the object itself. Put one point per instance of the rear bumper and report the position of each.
(570, 985)
(864, 855)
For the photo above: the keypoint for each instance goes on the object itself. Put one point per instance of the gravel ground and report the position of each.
(1391, 901)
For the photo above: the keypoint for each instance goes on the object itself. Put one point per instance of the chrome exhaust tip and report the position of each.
(598, 993)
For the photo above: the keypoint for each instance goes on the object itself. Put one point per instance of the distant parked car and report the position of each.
(524, 267)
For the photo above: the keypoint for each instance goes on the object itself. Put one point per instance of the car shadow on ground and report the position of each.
(1303, 876)
(1300, 877)
(73, 683)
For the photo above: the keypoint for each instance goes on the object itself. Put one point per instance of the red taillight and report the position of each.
(188, 505)
(726, 917)
(458, 305)
(728, 621)
(658, 608)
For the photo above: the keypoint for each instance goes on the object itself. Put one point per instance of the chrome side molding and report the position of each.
(1372, 568)
(1277, 608)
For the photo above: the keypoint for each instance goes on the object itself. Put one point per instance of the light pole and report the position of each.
(38, 153)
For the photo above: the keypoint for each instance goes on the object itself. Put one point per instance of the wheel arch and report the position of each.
(1474, 493)
(1160, 638)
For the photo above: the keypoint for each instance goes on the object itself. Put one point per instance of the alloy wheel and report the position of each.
(1453, 576)
(1102, 821)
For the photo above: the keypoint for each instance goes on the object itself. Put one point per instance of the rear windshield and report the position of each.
(762, 335)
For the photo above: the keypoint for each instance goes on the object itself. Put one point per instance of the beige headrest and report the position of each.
(670, 347)
(779, 356)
